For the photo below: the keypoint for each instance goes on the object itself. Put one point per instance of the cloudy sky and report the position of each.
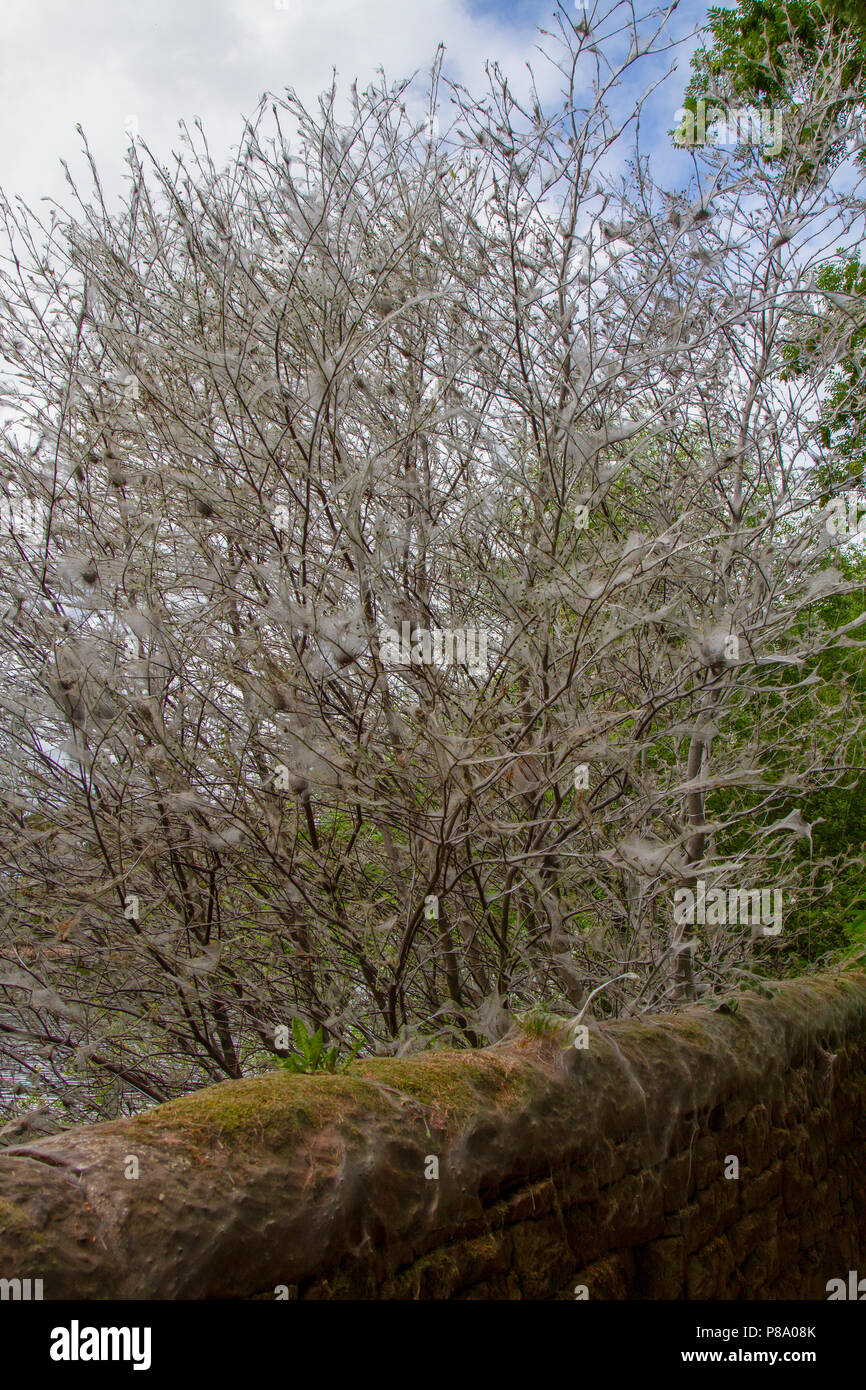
(113, 65)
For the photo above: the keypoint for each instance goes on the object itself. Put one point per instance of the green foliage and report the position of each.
(311, 1055)
(820, 924)
(538, 1021)
(845, 406)
(744, 38)
(744, 62)
(855, 931)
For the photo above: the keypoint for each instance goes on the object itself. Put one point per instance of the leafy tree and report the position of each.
(748, 44)
(761, 58)
(757, 54)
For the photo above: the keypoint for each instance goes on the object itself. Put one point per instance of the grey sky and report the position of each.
(101, 63)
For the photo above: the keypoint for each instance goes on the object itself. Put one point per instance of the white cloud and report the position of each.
(101, 62)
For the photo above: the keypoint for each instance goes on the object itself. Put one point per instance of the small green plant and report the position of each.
(538, 1021)
(310, 1054)
(855, 931)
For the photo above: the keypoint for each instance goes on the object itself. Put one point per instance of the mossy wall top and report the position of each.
(711, 1153)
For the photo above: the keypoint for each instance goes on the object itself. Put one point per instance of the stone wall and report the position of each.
(608, 1169)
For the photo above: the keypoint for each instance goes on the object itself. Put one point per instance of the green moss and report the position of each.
(17, 1227)
(539, 1022)
(692, 1029)
(270, 1112)
(276, 1110)
(456, 1084)
(26, 1251)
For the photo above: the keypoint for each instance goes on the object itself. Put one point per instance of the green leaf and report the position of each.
(356, 1048)
(315, 1050)
(291, 1063)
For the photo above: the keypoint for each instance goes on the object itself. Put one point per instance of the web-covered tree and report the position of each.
(372, 375)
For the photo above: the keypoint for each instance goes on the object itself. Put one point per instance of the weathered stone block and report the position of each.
(660, 1268)
(710, 1270)
(797, 1185)
(678, 1180)
(542, 1257)
(757, 1190)
(612, 1277)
